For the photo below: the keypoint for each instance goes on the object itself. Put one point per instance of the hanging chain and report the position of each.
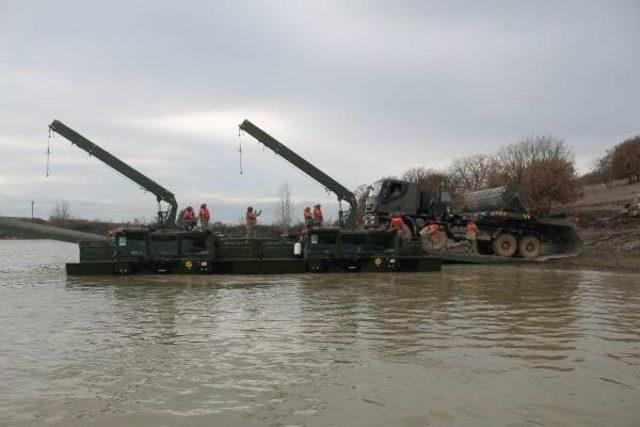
(48, 152)
(240, 149)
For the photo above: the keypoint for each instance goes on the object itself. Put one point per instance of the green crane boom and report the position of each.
(306, 167)
(147, 184)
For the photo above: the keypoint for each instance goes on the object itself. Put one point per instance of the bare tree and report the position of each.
(434, 181)
(602, 172)
(472, 172)
(361, 193)
(511, 162)
(543, 167)
(430, 180)
(604, 169)
(283, 213)
(546, 182)
(625, 161)
(61, 211)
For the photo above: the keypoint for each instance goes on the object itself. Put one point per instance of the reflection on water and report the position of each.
(471, 345)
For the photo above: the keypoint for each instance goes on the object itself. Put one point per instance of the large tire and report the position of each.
(439, 240)
(529, 247)
(434, 242)
(505, 245)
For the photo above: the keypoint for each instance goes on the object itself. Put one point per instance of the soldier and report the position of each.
(308, 217)
(189, 218)
(251, 221)
(472, 233)
(204, 216)
(433, 228)
(317, 215)
(396, 223)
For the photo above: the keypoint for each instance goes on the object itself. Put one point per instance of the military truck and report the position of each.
(506, 227)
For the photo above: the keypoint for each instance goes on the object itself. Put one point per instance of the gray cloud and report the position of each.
(364, 89)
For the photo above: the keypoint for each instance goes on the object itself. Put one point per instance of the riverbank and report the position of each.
(599, 259)
(609, 225)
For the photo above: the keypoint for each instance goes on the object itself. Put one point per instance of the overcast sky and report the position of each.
(361, 88)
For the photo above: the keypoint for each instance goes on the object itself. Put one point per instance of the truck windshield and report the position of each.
(376, 188)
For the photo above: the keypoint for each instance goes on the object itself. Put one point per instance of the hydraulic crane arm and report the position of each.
(147, 184)
(306, 167)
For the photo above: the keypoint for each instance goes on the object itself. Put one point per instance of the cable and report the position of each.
(48, 152)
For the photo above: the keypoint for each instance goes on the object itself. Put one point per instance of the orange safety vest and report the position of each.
(317, 212)
(471, 228)
(307, 214)
(204, 213)
(189, 214)
(396, 222)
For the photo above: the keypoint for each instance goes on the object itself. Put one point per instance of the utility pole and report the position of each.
(32, 210)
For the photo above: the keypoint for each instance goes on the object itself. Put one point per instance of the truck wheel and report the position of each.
(529, 247)
(439, 241)
(434, 242)
(505, 245)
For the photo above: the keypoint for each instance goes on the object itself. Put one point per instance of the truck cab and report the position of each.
(387, 196)
(415, 205)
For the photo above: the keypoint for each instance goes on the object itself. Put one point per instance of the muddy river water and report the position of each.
(469, 346)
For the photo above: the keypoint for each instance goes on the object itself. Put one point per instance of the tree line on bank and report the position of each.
(620, 162)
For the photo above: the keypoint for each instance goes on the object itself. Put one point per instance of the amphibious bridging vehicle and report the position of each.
(507, 231)
(166, 248)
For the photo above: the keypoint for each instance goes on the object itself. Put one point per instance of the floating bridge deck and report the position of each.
(27, 229)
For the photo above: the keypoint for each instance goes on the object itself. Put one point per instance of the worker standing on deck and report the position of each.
(317, 216)
(433, 228)
(396, 223)
(205, 216)
(308, 217)
(189, 217)
(251, 221)
(189, 213)
(472, 234)
(431, 237)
